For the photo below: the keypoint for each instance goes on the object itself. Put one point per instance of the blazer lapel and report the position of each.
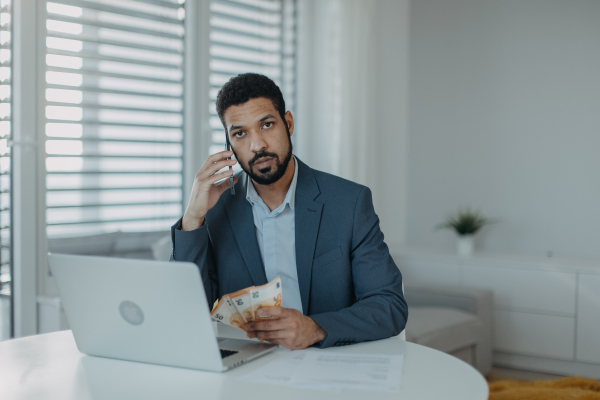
(241, 218)
(308, 218)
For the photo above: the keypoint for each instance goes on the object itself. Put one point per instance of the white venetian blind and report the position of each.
(5, 153)
(251, 36)
(114, 123)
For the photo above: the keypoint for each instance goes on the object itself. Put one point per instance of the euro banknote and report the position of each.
(239, 308)
(264, 296)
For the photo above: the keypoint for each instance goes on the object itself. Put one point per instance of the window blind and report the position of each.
(113, 115)
(5, 151)
(251, 36)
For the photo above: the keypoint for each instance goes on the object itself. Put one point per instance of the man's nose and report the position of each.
(257, 142)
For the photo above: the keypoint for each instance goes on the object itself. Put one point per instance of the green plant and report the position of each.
(465, 222)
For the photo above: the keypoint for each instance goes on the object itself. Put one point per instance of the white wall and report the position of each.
(390, 133)
(504, 115)
(352, 98)
(336, 87)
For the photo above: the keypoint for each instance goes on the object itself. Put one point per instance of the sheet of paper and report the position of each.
(350, 370)
(281, 370)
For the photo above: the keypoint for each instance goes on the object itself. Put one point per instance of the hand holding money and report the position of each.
(241, 307)
(292, 329)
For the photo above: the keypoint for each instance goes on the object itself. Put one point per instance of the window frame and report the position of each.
(25, 190)
(9, 140)
(47, 286)
(93, 211)
(31, 276)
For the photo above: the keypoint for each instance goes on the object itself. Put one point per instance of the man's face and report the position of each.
(260, 139)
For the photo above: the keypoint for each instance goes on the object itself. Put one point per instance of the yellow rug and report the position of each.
(569, 388)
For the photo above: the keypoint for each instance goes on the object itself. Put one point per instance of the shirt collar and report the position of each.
(290, 198)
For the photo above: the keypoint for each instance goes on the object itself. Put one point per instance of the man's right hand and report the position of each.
(205, 193)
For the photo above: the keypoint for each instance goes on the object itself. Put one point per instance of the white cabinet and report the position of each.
(534, 309)
(534, 334)
(526, 289)
(588, 319)
(546, 311)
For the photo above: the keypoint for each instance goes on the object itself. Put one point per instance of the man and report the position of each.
(318, 232)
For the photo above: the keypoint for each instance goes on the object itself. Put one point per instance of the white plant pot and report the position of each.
(465, 245)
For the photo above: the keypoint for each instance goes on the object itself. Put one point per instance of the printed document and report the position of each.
(351, 370)
(281, 370)
(331, 371)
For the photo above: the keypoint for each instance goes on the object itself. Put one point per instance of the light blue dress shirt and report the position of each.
(276, 234)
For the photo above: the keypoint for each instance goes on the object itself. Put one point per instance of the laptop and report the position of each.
(148, 311)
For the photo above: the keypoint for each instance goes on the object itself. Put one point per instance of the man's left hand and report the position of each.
(292, 330)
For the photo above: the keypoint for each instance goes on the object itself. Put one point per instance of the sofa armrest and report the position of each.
(475, 301)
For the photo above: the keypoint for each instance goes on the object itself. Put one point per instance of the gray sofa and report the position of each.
(137, 245)
(457, 321)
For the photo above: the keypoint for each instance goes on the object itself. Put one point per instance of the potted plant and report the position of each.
(466, 223)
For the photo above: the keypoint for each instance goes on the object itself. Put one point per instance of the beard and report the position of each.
(269, 175)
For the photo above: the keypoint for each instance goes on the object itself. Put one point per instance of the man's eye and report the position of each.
(267, 125)
(239, 134)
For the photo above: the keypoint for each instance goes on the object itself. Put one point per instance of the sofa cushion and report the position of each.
(444, 329)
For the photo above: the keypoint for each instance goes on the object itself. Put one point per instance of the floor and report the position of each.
(505, 373)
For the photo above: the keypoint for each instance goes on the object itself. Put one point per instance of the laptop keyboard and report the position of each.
(227, 353)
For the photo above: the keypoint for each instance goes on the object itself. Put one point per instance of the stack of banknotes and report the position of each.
(238, 308)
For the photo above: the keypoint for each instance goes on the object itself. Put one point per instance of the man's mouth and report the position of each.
(263, 162)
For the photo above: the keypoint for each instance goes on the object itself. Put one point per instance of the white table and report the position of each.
(50, 367)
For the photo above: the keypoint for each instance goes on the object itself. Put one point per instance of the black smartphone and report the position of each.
(228, 148)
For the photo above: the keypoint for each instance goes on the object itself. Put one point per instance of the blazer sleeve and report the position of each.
(195, 246)
(381, 310)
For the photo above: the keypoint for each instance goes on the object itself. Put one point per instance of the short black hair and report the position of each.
(244, 87)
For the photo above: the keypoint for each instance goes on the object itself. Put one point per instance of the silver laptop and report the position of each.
(142, 310)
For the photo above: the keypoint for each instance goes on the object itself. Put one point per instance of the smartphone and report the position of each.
(228, 148)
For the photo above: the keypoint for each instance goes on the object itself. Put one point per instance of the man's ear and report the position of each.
(289, 120)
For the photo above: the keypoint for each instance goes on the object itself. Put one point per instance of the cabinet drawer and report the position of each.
(588, 319)
(546, 291)
(534, 334)
(428, 273)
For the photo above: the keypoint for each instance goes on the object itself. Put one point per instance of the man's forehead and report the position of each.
(250, 111)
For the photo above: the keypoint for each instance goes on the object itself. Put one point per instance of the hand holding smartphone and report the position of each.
(204, 193)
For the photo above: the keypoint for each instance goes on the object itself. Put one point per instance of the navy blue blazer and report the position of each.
(349, 283)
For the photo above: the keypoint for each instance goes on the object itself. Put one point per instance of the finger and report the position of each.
(219, 156)
(279, 312)
(265, 325)
(274, 341)
(269, 335)
(222, 155)
(223, 186)
(214, 168)
(217, 177)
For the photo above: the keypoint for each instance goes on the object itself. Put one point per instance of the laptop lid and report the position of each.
(138, 310)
